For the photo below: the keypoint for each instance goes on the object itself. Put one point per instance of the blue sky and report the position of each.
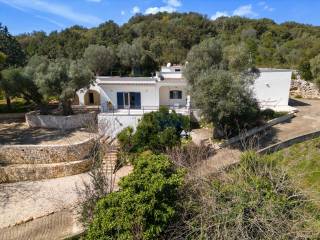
(48, 15)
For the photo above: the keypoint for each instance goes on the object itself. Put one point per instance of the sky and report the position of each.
(22, 16)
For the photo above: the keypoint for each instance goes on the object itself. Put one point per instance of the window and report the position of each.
(177, 70)
(175, 94)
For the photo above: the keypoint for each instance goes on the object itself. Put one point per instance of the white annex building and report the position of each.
(123, 100)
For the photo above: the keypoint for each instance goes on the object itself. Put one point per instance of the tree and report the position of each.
(99, 59)
(131, 56)
(315, 69)
(2, 58)
(220, 86)
(156, 131)
(63, 78)
(15, 83)
(144, 205)
(305, 71)
(11, 48)
(208, 54)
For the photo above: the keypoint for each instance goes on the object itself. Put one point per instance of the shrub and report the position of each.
(156, 131)
(144, 205)
(255, 200)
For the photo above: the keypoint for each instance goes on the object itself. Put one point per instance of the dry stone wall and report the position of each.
(43, 154)
(304, 89)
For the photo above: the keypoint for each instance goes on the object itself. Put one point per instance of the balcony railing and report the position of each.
(140, 111)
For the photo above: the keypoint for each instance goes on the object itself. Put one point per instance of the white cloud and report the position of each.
(123, 13)
(51, 21)
(265, 6)
(245, 10)
(60, 10)
(171, 6)
(96, 1)
(135, 10)
(173, 3)
(154, 10)
(219, 14)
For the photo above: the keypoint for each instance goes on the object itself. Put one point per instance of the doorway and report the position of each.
(129, 100)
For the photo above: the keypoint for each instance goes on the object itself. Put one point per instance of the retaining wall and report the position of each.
(287, 143)
(9, 116)
(256, 130)
(39, 154)
(34, 119)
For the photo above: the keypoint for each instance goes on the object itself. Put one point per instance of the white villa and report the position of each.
(123, 100)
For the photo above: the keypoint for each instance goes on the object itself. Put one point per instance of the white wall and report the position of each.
(111, 125)
(83, 91)
(149, 95)
(164, 93)
(272, 88)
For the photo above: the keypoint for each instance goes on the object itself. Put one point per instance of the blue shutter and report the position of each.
(120, 100)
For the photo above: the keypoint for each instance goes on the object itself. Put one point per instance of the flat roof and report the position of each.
(274, 70)
(129, 80)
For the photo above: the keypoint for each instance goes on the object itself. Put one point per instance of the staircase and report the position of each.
(111, 155)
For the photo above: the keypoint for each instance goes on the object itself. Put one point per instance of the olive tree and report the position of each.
(131, 56)
(99, 59)
(220, 83)
(63, 78)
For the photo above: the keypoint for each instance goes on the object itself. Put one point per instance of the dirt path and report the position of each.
(25, 201)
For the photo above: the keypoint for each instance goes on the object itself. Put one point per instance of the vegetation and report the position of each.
(144, 205)
(169, 37)
(302, 162)
(220, 86)
(156, 131)
(255, 200)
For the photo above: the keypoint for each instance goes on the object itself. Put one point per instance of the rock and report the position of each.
(304, 89)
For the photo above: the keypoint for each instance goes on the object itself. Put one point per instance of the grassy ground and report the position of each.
(302, 162)
(18, 105)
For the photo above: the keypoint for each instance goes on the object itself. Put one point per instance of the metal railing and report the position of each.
(142, 110)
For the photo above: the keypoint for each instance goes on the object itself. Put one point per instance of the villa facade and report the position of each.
(124, 100)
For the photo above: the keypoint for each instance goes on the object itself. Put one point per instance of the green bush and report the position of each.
(156, 131)
(144, 205)
(269, 114)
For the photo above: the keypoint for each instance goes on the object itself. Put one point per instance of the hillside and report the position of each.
(169, 37)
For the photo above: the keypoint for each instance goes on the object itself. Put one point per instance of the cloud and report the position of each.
(96, 1)
(135, 10)
(60, 10)
(245, 10)
(51, 21)
(219, 14)
(171, 6)
(123, 13)
(265, 6)
(173, 3)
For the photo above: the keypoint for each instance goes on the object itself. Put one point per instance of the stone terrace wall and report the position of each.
(40, 154)
(34, 119)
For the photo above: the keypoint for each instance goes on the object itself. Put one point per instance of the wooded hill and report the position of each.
(168, 37)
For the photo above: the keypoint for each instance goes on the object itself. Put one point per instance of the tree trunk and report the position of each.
(66, 108)
(8, 102)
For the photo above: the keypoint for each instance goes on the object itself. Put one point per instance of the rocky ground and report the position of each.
(304, 89)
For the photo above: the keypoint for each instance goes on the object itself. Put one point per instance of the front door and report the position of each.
(130, 100)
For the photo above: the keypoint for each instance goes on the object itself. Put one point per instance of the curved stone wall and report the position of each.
(41, 154)
(34, 119)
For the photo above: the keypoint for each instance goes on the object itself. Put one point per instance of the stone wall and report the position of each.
(43, 154)
(34, 119)
(304, 89)
(9, 116)
(287, 143)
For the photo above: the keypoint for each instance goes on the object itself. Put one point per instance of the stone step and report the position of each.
(25, 172)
